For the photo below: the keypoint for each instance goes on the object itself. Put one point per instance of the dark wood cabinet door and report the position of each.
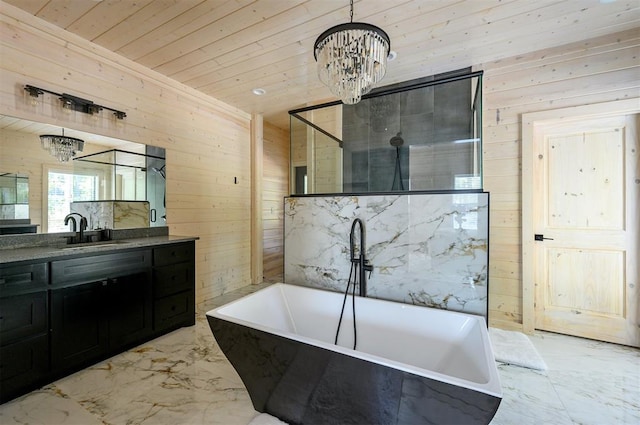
(23, 366)
(174, 286)
(129, 309)
(23, 316)
(174, 311)
(78, 325)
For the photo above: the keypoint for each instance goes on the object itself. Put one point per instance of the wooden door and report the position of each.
(587, 185)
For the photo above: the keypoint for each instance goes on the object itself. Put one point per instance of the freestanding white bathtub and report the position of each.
(412, 364)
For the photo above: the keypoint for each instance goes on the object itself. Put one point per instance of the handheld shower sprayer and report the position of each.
(397, 141)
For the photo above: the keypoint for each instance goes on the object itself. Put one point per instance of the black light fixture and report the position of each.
(74, 103)
(352, 58)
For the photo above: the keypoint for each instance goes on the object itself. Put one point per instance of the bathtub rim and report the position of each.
(492, 387)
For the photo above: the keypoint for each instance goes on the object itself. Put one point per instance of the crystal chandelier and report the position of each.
(62, 147)
(352, 58)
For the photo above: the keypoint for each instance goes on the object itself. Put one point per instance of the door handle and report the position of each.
(539, 237)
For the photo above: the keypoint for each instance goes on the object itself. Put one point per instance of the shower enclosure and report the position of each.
(420, 135)
(128, 176)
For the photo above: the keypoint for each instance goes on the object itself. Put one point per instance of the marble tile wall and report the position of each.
(113, 214)
(426, 249)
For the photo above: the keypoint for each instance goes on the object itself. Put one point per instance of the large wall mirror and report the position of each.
(106, 170)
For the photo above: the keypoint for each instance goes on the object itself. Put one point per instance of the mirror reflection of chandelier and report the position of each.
(352, 58)
(61, 147)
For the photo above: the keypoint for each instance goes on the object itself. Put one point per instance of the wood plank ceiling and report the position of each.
(226, 48)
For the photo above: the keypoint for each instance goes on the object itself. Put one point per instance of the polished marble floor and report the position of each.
(183, 378)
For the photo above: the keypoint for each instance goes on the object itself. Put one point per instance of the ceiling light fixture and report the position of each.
(352, 58)
(62, 147)
(258, 91)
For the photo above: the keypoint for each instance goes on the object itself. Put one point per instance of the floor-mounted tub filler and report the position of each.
(412, 365)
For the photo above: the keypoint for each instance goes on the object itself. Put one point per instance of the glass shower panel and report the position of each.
(423, 135)
(122, 175)
(316, 151)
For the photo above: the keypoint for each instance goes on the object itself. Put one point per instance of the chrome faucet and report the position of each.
(79, 238)
(360, 260)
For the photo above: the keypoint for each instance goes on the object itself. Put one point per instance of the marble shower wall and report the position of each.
(113, 214)
(426, 249)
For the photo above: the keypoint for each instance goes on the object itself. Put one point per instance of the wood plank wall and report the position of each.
(597, 70)
(207, 142)
(275, 187)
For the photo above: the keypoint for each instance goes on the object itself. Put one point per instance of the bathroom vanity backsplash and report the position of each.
(113, 214)
(427, 249)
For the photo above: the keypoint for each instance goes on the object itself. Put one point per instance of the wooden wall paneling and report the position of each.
(257, 236)
(591, 71)
(207, 142)
(276, 187)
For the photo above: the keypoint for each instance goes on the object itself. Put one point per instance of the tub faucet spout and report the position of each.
(362, 264)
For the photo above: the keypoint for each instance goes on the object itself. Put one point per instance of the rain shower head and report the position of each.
(397, 140)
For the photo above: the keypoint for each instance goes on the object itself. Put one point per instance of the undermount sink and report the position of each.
(101, 244)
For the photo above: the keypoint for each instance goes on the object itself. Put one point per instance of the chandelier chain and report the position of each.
(351, 11)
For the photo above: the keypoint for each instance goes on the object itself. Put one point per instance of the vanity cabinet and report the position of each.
(99, 305)
(24, 314)
(63, 313)
(174, 286)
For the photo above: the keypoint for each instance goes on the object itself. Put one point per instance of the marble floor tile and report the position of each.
(184, 378)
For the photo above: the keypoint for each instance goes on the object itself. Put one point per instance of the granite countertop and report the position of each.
(12, 254)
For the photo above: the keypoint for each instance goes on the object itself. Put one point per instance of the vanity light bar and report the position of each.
(75, 103)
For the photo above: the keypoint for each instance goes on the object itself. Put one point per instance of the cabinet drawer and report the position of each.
(175, 253)
(174, 311)
(168, 280)
(96, 267)
(18, 278)
(23, 316)
(22, 365)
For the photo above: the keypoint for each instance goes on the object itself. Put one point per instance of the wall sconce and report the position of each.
(74, 103)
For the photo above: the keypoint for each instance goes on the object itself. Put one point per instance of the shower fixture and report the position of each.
(397, 141)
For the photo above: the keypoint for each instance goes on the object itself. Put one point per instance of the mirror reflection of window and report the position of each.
(64, 188)
(14, 196)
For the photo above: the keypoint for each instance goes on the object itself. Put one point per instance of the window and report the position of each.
(64, 188)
